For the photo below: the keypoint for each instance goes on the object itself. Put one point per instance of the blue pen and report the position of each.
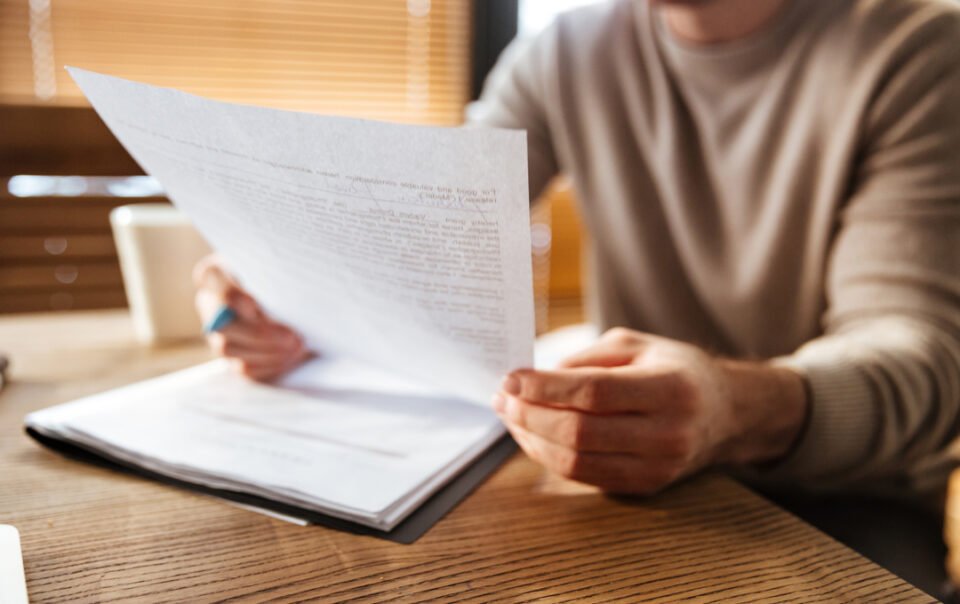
(223, 317)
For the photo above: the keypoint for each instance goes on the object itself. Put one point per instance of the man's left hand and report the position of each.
(634, 412)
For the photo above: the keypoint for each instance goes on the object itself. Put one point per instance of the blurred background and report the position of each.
(62, 172)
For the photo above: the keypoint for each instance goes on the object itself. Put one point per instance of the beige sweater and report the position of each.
(793, 195)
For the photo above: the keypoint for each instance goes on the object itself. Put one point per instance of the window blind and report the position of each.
(401, 60)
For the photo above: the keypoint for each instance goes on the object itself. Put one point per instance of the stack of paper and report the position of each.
(397, 247)
(334, 437)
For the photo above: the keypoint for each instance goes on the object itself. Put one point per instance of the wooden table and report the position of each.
(92, 535)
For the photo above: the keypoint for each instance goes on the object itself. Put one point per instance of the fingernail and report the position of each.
(511, 385)
(245, 310)
(499, 403)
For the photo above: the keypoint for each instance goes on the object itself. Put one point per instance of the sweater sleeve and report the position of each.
(884, 379)
(514, 97)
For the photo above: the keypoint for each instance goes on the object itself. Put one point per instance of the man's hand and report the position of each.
(635, 412)
(257, 346)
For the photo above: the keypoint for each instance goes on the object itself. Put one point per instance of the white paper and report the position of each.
(335, 436)
(405, 246)
(351, 450)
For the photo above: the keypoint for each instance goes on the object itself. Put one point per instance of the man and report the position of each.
(773, 191)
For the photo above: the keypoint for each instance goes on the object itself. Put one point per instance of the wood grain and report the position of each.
(90, 535)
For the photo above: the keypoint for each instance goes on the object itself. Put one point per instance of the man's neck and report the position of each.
(717, 21)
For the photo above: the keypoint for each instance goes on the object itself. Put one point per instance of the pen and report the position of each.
(220, 319)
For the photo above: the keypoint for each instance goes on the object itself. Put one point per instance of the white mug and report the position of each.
(158, 248)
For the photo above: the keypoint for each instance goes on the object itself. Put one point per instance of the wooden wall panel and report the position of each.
(41, 139)
(27, 277)
(57, 253)
(56, 247)
(62, 299)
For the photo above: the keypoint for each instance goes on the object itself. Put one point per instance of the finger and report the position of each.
(615, 347)
(259, 373)
(209, 301)
(203, 268)
(253, 347)
(268, 372)
(259, 357)
(263, 336)
(626, 433)
(597, 390)
(612, 472)
(243, 303)
(601, 354)
(219, 288)
(210, 274)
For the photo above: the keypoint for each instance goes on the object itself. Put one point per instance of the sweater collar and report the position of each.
(735, 59)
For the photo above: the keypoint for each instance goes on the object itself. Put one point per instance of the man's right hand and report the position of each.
(256, 346)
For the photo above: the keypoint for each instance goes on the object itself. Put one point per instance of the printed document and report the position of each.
(405, 246)
(334, 437)
(401, 253)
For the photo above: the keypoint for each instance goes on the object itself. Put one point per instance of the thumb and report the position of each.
(243, 304)
(217, 287)
(601, 354)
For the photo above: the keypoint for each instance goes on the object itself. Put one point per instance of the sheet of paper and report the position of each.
(406, 246)
(335, 436)
(350, 449)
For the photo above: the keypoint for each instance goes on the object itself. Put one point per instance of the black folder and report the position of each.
(408, 531)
